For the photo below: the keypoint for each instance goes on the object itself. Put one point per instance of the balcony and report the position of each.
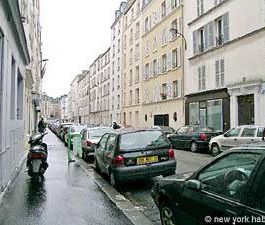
(163, 96)
(201, 47)
(219, 40)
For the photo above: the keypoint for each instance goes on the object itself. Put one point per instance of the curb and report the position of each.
(11, 181)
(132, 212)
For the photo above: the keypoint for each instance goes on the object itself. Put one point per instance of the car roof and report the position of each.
(97, 128)
(133, 130)
(256, 147)
(249, 126)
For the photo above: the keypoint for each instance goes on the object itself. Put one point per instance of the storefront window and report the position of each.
(214, 114)
(193, 113)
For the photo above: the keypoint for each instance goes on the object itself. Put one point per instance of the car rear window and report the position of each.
(77, 129)
(97, 133)
(143, 139)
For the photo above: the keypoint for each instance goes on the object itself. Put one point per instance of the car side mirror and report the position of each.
(226, 135)
(193, 185)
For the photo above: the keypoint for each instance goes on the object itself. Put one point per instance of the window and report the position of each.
(146, 24)
(193, 113)
(163, 9)
(164, 36)
(175, 58)
(125, 42)
(137, 52)
(119, 63)
(113, 51)
(201, 40)
(103, 141)
(219, 73)
(111, 143)
(234, 132)
(164, 63)
(137, 30)
(132, 15)
(200, 7)
(249, 132)
(260, 132)
(130, 99)
(119, 45)
(175, 3)
(137, 95)
(201, 78)
(176, 89)
(175, 26)
(229, 175)
(131, 56)
(13, 89)
(155, 67)
(131, 36)
(164, 91)
(214, 114)
(119, 99)
(137, 74)
(20, 94)
(131, 77)
(113, 67)
(155, 43)
(147, 71)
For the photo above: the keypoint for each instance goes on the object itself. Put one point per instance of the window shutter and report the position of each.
(179, 56)
(195, 44)
(151, 73)
(179, 88)
(203, 78)
(222, 72)
(169, 61)
(168, 6)
(206, 36)
(199, 79)
(210, 35)
(180, 25)
(226, 27)
(198, 7)
(217, 78)
(159, 63)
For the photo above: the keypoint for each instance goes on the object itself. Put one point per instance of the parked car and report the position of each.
(90, 137)
(132, 154)
(231, 186)
(63, 129)
(73, 129)
(193, 137)
(235, 137)
(167, 130)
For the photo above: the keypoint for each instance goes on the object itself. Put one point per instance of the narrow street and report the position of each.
(67, 196)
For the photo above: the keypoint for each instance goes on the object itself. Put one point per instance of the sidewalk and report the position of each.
(67, 196)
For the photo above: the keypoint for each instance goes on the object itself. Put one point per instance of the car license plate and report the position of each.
(147, 160)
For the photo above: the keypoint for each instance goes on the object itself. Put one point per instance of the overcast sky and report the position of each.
(74, 33)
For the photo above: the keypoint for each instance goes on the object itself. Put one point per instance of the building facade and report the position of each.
(14, 57)
(99, 81)
(83, 97)
(224, 68)
(162, 81)
(116, 65)
(132, 65)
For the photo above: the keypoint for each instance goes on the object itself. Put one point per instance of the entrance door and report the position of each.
(161, 120)
(246, 114)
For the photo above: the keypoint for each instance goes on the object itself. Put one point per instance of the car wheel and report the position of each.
(166, 214)
(113, 181)
(215, 150)
(194, 146)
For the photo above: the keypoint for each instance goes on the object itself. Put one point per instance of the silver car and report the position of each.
(90, 138)
(239, 135)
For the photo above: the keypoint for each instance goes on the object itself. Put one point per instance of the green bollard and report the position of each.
(77, 146)
(70, 151)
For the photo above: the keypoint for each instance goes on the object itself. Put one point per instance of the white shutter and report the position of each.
(179, 56)
(168, 6)
(210, 35)
(180, 87)
(169, 61)
(159, 65)
(226, 27)
(195, 44)
(151, 72)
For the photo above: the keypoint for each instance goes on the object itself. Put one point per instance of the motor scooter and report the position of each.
(37, 156)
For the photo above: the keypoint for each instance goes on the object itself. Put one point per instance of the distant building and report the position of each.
(63, 108)
(51, 107)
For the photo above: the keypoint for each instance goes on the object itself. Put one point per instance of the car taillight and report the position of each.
(203, 137)
(171, 153)
(89, 143)
(37, 155)
(118, 161)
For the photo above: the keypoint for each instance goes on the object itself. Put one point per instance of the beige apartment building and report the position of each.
(162, 64)
(132, 65)
(99, 81)
(83, 88)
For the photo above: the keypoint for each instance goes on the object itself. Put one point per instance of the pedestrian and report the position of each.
(41, 126)
(115, 126)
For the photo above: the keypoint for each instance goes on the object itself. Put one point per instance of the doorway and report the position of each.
(246, 114)
(161, 120)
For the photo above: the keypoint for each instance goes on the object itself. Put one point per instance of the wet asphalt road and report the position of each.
(67, 196)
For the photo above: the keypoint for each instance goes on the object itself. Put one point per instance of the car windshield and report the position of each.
(143, 139)
(97, 133)
(77, 129)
